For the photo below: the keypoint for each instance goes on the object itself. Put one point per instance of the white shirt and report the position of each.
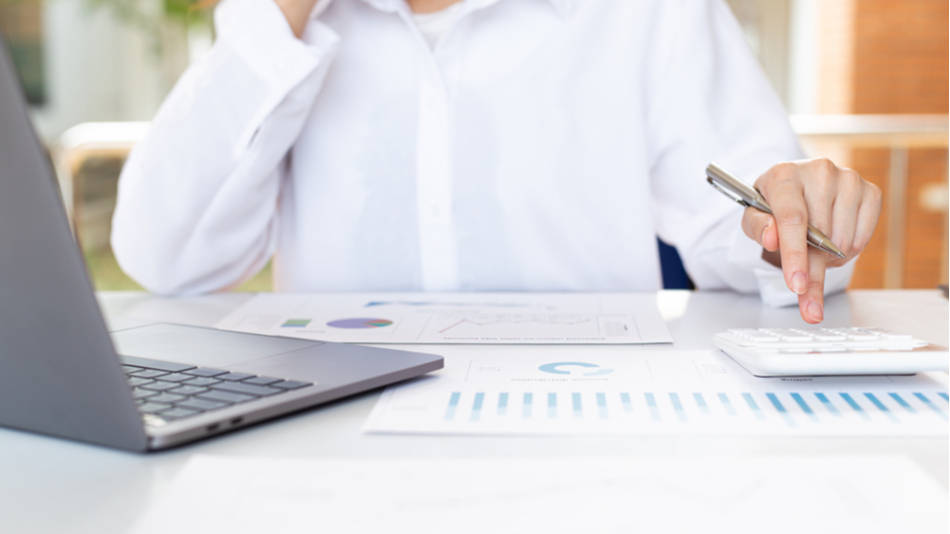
(434, 26)
(540, 145)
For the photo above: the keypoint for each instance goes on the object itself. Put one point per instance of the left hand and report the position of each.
(835, 200)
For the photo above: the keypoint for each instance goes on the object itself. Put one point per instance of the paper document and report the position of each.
(650, 391)
(775, 494)
(502, 318)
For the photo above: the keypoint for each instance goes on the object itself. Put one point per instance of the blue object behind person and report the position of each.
(671, 267)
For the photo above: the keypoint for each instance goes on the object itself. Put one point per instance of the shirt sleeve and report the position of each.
(710, 101)
(197, 198)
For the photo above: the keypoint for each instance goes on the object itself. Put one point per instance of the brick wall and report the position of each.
(886, 56)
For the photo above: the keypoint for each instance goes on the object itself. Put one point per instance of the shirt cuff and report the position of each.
(259, 33)
(747, 254)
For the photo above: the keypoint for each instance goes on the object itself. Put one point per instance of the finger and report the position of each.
(844, 217)
(868, 213)
(760, 227)
(786, 197)
(811, 304)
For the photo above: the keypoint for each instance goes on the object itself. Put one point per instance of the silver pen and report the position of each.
(751, 198)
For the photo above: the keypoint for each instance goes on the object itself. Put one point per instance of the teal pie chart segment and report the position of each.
(575, 368)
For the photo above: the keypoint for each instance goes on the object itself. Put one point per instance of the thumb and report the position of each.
(761, 228)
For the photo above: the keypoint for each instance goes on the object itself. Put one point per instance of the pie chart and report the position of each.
(359, 322)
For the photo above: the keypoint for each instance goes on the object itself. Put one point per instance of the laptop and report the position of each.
(168, 384)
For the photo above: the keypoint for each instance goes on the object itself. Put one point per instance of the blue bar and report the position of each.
(752, 405)
(775, 402)
(701, 402)
(903, 404)
(675, 399)
(627, 404)
(924, 399)
(827, 404)
(477, 406)
(651, 403)
(781, 408)
(526, 405)
(576, 404)
(874, 400)
(802, 404)
(944, 395)
(724, 399)
(880, 406)
(602, 405)
(502, 403)
(453, 403)
(552, 404)
(854, 405)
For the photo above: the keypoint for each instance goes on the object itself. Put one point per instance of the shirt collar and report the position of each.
(564, 8)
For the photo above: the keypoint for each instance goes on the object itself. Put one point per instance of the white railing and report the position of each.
(898, 134)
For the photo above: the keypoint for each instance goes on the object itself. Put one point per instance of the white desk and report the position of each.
(51, 485)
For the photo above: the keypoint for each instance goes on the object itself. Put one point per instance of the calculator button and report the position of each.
(793, 335)
(762, 337)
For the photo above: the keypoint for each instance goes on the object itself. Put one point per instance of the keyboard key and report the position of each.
(177, 377)
(153, 407)
(225, 396)
(137, 381)
(261, 380)
(177, 413)
(139, 393)
(148, 373)
(234, 376)
(166, 398)
(206, 371)
(250, 389)
(201, 405)
(201, 381)
(162, 365)
(290, 384)
(130, 368)
(187, 390)
(159, 385)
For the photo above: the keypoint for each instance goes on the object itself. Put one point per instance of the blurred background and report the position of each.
(865, 82)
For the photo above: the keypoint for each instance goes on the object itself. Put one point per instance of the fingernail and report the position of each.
(798, 283)
(764, 231)
(814, 310)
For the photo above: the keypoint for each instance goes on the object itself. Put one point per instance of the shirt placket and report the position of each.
(437, 237)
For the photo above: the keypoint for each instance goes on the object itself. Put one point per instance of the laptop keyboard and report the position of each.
(167, 391)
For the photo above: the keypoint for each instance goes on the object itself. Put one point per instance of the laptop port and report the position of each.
(212, 427)
(236, 421)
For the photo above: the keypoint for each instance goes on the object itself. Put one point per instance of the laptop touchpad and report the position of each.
(201, 346)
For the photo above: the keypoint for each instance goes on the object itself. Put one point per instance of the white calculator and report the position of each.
(815, 351)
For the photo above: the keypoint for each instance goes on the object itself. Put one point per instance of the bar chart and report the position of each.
(657, 392)
(789, 409)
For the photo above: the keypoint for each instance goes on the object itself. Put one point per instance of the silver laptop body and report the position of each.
(60, 373)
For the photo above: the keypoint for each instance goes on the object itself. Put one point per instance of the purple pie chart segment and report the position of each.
(359, 322)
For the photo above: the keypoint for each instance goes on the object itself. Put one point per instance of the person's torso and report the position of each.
(512, 156)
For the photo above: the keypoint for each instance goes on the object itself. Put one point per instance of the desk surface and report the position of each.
(55, 483)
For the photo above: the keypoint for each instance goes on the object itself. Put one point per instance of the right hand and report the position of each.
(297, 13)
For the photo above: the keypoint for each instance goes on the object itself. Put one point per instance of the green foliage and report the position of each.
(146, 14)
